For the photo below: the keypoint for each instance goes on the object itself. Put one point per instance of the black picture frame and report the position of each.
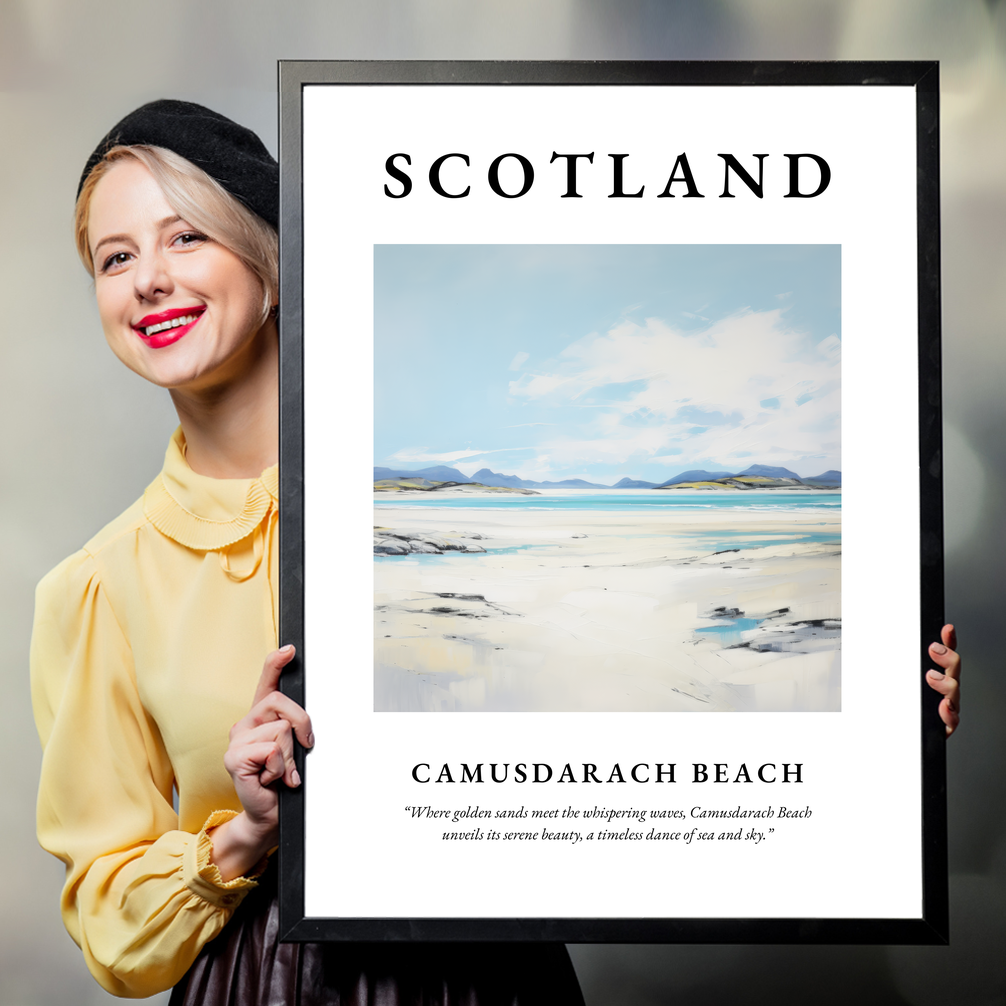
(931, 927)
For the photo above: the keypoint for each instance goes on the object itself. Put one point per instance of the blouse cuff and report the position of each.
(202, 876)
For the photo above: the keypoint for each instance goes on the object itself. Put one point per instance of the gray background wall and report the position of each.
(82, 437)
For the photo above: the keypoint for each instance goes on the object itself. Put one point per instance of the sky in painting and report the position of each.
(602, 362)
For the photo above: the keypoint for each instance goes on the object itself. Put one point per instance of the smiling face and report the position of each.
(177, 307)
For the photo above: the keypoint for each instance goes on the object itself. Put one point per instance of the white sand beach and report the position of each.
(714, 610)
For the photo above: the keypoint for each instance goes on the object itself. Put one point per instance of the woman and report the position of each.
(148, 643)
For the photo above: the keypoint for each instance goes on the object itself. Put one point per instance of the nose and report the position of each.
(152, 277)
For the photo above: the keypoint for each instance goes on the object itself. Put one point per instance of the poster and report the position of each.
(601, 388)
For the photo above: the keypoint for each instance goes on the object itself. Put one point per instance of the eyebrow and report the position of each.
(111, 238)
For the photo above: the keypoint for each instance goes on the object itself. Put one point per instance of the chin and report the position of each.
(170, 374)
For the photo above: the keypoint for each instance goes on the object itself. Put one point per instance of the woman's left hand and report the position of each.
(948, 681)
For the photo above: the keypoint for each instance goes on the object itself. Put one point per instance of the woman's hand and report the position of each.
(947, 682)
(260, 753)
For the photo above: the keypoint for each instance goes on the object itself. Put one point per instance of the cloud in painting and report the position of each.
(747, 385)
(413, 455)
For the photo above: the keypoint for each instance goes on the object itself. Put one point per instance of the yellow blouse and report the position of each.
(147, 647)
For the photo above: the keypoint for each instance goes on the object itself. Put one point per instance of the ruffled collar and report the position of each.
(203, 513)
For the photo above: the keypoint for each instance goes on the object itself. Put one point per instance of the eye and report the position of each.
(115, 261)
(189, 239)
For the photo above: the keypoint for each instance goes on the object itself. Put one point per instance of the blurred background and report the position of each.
(83, 437)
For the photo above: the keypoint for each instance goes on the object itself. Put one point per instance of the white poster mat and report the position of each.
(858, 855)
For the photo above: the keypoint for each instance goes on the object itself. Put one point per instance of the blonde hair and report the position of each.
(199, 200)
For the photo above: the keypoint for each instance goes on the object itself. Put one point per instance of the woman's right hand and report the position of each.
(260, 753)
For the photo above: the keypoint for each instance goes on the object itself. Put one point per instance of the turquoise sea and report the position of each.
(769, 501)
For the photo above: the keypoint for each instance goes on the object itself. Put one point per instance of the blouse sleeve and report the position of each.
(141, 898)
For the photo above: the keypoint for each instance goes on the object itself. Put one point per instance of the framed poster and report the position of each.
(610, 421)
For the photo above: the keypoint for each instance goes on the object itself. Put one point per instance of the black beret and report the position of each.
(231, 154)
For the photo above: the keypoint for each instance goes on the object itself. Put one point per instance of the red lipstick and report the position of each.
(166, 327)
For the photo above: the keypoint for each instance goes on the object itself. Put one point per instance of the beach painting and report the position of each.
(607, 478)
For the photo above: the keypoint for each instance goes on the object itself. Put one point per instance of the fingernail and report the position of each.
(286, 649)
(936, 675)
(295, 777)
(310, 740)
(938, 648)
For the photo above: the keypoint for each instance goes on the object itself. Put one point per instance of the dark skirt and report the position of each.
(246, 965)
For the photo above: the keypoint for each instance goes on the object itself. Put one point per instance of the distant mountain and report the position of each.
(695, 476)
(828, 478)
(438, 473)
(628, 483)
(485, 476)
(566, 484)
(766, 471)
(491, 478)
